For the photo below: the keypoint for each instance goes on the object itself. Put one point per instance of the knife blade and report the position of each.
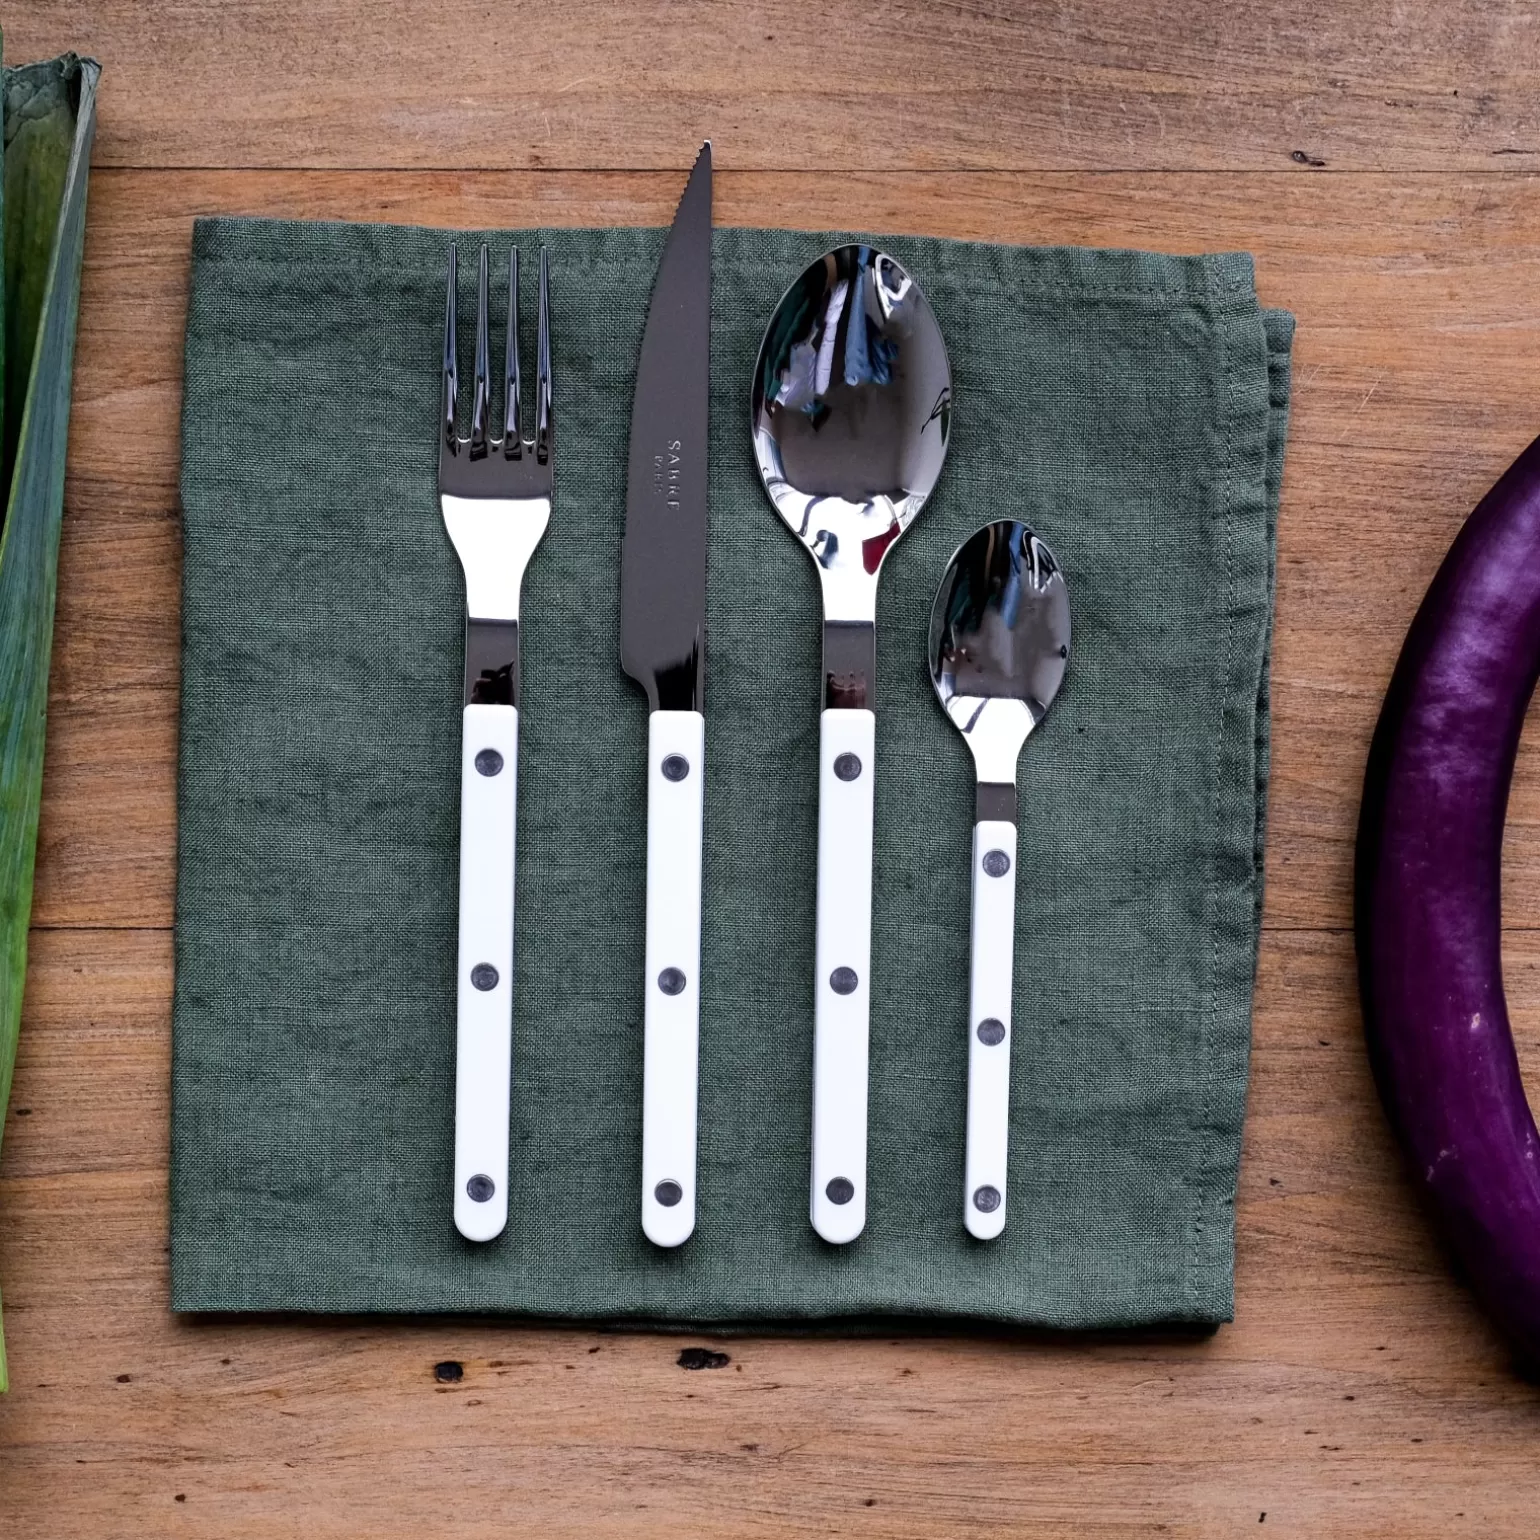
(663, 648)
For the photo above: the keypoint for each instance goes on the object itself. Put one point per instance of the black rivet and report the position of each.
(986, 1199)
(847, 767)
(843, 981)
(489, 762)
(991, 1031)
(480, 1188)
(484, 976)
(668, 1193)
(676, 767)
(841, 1190)
(671, 981)
(997, 863)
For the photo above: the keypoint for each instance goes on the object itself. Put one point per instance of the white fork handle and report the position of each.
(484, 978)
(842, 992)
(989, 1027)
(676, 779)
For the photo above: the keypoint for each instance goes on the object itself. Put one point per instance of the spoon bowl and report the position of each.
(999, 642)
(851, 409)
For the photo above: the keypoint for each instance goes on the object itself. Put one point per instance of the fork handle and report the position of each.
(989, 1027)
(675, 786)
(841, 989)
(484, 977)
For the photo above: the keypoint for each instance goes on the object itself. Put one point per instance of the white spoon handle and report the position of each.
(842, 994)
(989, 1027)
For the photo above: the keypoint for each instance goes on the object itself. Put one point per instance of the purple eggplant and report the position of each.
(1428, 908)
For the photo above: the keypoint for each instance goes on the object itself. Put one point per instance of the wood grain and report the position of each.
(1359, 1392)
(919, 84)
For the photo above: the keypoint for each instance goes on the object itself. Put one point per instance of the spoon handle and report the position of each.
(842, 995)
(989, 1029)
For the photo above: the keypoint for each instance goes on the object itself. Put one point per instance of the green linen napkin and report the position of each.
(1130, 406)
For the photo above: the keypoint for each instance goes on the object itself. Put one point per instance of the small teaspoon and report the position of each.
(999, 645)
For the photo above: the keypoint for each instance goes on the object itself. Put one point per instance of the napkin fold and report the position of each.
(1130, 406)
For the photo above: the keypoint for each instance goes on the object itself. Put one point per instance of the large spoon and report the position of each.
(851, 406)
(999, 644)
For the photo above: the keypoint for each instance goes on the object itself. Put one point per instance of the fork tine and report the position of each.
(543, 367)
(481, 399)
(513, 422)
(451, 401)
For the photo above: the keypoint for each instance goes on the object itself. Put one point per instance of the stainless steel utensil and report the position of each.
(999, 645)
(495, 493)
(663, 647)
(850, 413)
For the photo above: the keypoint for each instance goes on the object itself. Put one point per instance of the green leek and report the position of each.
(49, 115)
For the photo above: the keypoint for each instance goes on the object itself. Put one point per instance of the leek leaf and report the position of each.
(49, 115)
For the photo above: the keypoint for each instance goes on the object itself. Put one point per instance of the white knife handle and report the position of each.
(484, 978)
(842, 990)
(676, 779)
(989, 1027)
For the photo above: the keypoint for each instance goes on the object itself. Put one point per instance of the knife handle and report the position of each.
(484, 975)
(989, 1027)
(842, 993)
(676, 766)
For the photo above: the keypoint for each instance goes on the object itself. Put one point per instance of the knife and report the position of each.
(663, 648)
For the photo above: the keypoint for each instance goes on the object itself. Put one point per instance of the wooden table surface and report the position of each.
(1377, 158)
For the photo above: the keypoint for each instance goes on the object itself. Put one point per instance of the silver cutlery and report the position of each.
(495, 494)
(850, 413)
(663, 648)
(999, 645)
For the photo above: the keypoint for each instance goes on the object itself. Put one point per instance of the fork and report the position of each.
(495, 493)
